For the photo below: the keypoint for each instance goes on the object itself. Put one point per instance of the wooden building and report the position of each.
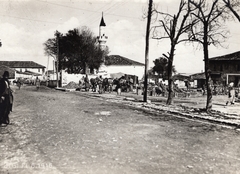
(226, 69)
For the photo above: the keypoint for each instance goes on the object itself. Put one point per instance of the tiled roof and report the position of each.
(232, 56)
(119, 60)
(181, 77)
(198, 76)
(21, 64)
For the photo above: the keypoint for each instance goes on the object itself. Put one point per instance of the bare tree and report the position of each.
(232, 5)
(173, 27)
(209, 31)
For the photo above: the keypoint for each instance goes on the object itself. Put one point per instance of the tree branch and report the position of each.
(228, 4)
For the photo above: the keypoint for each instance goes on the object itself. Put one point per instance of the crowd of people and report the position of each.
(98, 84)
(102, 85)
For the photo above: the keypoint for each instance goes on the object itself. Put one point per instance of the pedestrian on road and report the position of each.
(119, 87)
(19, 83)
(37, 82)
(100, 84)
(6, 99)
(231, 94)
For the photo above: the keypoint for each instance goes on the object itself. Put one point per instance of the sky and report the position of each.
(26, 24)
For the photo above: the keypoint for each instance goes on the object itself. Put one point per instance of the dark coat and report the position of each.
(7, 102)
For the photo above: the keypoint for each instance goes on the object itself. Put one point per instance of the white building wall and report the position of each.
(132, 70)
(36, 70)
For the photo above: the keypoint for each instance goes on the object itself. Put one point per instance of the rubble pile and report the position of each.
(71, 85)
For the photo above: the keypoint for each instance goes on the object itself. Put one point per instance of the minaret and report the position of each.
(102, 38)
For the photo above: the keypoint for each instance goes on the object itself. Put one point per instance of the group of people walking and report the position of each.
(96, 84)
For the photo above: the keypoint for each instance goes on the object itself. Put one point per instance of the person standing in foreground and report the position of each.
(6, 99)
(231, 94)
(37, 83)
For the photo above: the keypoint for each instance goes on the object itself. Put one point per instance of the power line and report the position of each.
(100, 9)
(105, 11)
(76, 8)
(43, 21)
(35, 20)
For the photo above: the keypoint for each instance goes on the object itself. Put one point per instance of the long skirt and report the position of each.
(5, 108)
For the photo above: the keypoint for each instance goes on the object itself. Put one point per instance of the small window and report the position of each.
(39, 70)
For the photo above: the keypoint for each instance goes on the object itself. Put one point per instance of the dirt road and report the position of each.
(65, 132)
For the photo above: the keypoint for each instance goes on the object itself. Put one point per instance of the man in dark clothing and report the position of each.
(100, 84)
(6, 99)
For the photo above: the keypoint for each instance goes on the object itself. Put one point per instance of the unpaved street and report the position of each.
(66, 132)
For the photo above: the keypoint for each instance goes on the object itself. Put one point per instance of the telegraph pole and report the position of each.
(147, 50)
(57, 58)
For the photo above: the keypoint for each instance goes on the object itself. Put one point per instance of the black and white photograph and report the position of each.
(119, 87)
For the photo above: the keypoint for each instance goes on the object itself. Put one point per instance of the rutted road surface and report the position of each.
(63, 132)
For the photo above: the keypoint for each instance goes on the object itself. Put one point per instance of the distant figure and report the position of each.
(100, 84)
(119, 87)
(81, 83)
(154, 90)
(93, 82)
(105, 85)
(203, 89)
(163, 88)
(231, 94)
(19, 83)
(187, 84)
(6, 99)
(37, 83)
(87, 83)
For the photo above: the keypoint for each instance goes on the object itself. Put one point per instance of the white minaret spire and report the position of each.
(102, 38)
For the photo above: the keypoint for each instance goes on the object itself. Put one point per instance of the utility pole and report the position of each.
(57, 58)
(47, 70)
(147, 50)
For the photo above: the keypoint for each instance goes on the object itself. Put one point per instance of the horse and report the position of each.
(105, 85)
(93, 82)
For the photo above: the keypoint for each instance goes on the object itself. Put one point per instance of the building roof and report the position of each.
(21, 64)
(232, 56)
(198, 76)
(181, 77)
(120, 60)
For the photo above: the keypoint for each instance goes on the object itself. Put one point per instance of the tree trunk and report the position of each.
(170, 92)
(147, 50)
(207, 70)
(170, 80)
